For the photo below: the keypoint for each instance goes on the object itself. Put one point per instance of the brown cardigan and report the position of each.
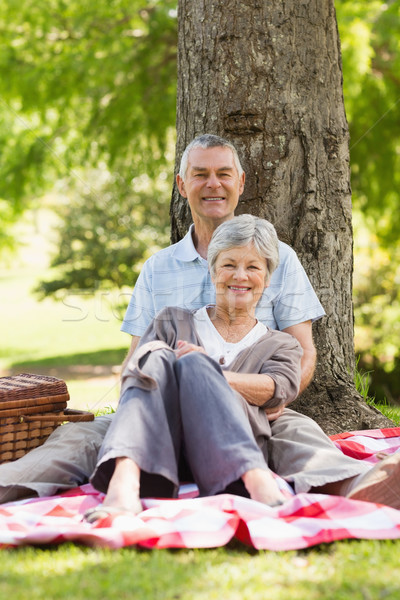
(276, 354)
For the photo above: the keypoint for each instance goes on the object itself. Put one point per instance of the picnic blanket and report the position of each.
(302, 521)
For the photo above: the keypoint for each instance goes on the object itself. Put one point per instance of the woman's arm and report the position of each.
(256, 389)
(275, 382)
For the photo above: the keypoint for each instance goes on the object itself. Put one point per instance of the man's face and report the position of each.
(212, 184)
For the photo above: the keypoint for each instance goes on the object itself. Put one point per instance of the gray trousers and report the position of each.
(190, 418)
(296, 448)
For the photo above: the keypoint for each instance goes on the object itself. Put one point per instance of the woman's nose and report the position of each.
(240, 273)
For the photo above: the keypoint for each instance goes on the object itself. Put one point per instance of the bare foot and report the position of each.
(262, 487)
(123, 489)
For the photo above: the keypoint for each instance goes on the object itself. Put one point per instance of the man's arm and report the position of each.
(134, 343)
(303, 333)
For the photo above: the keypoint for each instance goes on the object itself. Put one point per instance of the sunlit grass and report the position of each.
(76, 337)
(351, 569)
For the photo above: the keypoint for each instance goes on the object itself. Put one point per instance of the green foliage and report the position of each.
(370, 43)
(83, 84)
(377, 309)
(371, 66)
(105, 235)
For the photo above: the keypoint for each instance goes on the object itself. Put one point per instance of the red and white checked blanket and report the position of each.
(189, 522)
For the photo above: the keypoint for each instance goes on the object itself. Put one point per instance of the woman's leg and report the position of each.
(146, 429)
(219, 442)
(124, 486)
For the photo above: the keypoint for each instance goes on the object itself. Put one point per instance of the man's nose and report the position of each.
(213, 181)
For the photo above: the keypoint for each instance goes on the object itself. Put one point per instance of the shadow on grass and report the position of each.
(79, 364)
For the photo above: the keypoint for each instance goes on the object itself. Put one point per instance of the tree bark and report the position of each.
(266, 74)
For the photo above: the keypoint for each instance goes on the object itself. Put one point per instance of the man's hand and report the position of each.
(183, 348)
(274, 413)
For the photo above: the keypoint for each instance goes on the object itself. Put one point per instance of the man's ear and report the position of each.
(241, 183)
(181, 186)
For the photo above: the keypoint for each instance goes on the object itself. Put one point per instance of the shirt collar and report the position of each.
(185, 249)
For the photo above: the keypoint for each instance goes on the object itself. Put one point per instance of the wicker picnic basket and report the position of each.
(31, 408)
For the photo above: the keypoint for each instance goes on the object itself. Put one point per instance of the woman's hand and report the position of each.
(183, 348)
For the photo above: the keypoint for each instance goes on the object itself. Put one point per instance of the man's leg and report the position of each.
(301, 453)
(66, 460)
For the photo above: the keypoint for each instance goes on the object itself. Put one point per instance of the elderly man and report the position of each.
(212, 180)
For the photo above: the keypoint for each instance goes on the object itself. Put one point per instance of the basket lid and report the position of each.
(28, 385)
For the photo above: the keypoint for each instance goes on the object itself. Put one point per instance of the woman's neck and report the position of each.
(232, 327)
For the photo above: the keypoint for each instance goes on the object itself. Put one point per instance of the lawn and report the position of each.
(78, 339)
(356, 570)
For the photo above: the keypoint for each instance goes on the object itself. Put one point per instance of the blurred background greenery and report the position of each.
(87, 115)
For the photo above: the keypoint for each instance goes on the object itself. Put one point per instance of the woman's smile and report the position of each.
(240, 277)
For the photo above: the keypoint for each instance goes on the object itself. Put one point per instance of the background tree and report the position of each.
(84, 86)
(267, 75)
(369, 34)
(87, 111)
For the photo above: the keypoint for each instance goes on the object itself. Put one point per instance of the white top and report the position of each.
(214, 344)
(179, 276)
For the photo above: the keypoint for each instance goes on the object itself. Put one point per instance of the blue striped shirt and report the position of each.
(179, 276)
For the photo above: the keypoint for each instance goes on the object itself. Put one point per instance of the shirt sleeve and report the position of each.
(296, 300)
(141, 309)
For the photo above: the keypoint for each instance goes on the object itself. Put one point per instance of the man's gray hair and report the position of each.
(208, 140)
(242, 231)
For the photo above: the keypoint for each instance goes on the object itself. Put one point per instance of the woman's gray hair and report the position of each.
(208, 140)
(242, 231)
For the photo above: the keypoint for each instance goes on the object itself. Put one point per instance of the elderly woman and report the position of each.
(179, 418)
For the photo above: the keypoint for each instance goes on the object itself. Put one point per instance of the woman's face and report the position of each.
(239, 278)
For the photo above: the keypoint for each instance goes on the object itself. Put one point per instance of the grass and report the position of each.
(362, 384)
(77, 338)
(360, 570)
(49, 337)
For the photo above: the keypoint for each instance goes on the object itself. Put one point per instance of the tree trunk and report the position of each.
(266, 74)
